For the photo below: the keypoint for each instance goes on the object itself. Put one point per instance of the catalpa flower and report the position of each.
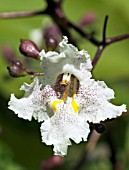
(66, 99)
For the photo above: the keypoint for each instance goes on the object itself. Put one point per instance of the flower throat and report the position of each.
(71, 86)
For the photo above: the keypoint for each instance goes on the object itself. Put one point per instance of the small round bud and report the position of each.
(52, 36)
(100, 128)
(29, 49)
(16, 69)
(51, 44)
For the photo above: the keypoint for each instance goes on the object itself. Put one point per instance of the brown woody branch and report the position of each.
(9, 15)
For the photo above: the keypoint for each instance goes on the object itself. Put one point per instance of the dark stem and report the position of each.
(34, 73)
(54, 10)
(83, 34)
(105, 42)
(115, 39)
(97, 55)
(102, 44)
(104, 28)
(21, 14)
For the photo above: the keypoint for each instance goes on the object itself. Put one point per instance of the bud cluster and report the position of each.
(17, 69)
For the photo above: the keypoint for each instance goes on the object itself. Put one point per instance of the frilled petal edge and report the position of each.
(63, 126)
(94, 101)
(31, 104)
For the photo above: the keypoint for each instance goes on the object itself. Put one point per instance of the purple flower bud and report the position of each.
(52, 162)
(87, 19)
(8, 53)
(29, 49)
(51, 44)
(52, 36)
(52, 31)
(16, 69)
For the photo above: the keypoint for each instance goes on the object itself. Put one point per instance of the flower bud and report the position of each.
(16, 69)
(52, 36)
(52, 162)
(87, 19)
(8, 53)
(29, 49)
(100, 128)
(51, 44)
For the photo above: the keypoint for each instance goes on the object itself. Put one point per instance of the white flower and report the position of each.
(66, 98)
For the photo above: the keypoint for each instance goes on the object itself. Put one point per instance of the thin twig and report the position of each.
(94, 137)
(97, 55)
(105, 42)
(104, 28)
(116, 39)
(102, 44)
(54, 9)
(21, 14)
(83, 34)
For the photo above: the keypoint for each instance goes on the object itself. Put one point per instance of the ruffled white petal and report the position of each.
(33, 103)
(62, 127)
(20, 107)
(69, 60)
(93, 99)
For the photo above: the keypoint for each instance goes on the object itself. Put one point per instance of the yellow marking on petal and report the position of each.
(75, 106)
(74, 103)
(74, 95)
(54, 104)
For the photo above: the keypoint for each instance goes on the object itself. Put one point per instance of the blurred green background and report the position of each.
(20, 142)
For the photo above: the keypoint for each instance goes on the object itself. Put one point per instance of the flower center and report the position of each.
(67, 81)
